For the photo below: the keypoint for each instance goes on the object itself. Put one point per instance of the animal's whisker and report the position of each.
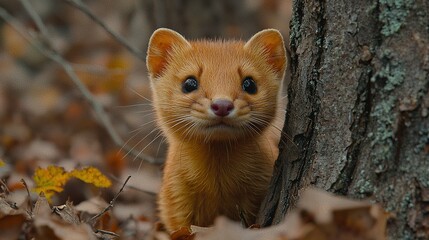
(140, 141)
(138, 94)
(147, 145)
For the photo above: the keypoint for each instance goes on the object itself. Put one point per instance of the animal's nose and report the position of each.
(222, 107)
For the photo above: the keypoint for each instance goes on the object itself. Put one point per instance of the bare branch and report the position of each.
(132, 187)
(4, 187)
(82, 7)
(101, 231)
(56, 57)
(112, 202)
(36, 18)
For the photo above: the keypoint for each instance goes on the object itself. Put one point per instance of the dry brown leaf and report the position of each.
(92, 206)
(11, 225)
(11, 220)
(342, 217)
(227, 229)
(319, 216)
(105, 236)
(52, 227)
(67, 212)
(63, 225)
(7, 208)
(42, 208)
(19, 198)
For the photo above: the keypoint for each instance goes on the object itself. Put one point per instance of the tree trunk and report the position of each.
(357, 119)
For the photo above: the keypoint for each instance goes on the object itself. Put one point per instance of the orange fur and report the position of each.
(215, 165)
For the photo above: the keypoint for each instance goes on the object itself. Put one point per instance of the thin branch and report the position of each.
(106, 232)
(112, 202)
(5, 188)
(87, 11)
(56, 57)
(132, 187)
(36, 18)
(29, 196)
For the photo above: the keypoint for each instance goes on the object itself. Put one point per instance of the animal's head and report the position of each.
(215, 90)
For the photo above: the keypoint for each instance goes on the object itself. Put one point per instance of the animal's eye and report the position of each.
(249, 85)
(189, 85)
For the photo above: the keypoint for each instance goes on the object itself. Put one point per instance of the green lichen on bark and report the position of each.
(423, 135)
(383, 135)
(295, 24)
(390, 76)
(364, 185)
(393, 14)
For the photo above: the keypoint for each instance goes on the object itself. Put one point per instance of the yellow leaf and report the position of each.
(2, 163)
(92, 175)
(50, 180)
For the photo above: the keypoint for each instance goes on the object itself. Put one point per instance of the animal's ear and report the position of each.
(162, 43)
(269, 43)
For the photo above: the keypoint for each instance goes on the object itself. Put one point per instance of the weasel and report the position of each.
(215, 102)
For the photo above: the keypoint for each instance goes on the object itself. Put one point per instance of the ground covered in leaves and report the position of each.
(49, 133)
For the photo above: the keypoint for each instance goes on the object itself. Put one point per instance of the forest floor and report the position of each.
(45, 120)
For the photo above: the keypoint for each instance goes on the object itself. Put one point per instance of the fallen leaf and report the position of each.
(52, 227)
(7, 208)
(50, 180)
(11, 219)
(319, 216)
(67, 212)
(11, 225)
(42, 208)
(92, 175)
(92, 206)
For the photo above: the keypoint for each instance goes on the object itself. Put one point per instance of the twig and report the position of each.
(82, 7)
(29, 197)
(36, 18)
(56, 57)
(106, 232)
(5, 188)
(132, 187)
(112, 202)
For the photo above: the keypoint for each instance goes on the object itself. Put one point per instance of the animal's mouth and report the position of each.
(221, 126)
(223, 131)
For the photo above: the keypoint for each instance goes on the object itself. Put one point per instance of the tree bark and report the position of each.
(357, 119)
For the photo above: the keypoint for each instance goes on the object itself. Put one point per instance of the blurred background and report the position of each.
(45, 118)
